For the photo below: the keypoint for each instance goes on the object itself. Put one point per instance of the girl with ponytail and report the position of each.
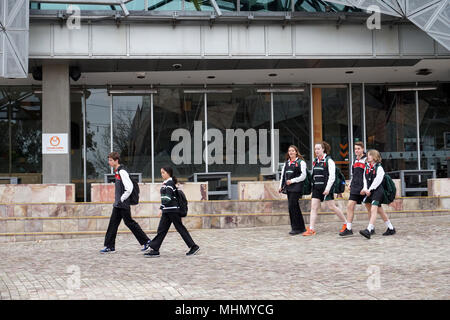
(170, 213)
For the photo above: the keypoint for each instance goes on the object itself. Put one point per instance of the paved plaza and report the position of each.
(254, 263)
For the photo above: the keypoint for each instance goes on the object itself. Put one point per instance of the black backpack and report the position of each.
(182, 202)
(134, 196)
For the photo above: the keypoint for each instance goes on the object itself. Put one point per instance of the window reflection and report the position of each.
(391, 127)
(21, 127)
(292, 119)
(435, 130)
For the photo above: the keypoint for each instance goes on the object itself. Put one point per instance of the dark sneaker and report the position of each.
(389, 232)
(107, 250)
(365, 233)
(295, 232)
(152, 254)
(346, 232)
(194, 250)
(146, 246)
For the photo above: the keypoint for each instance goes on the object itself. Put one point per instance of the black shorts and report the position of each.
(356, 197)
(376, 197)
(318, 194)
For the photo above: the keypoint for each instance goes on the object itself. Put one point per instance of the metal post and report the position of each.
(350, 120)
(419, 166)
(311, 113)
(152, 138)
(10, 136)
(364, 131)
(272, 134)
(83, 105)
(205, 97)
(111, 124)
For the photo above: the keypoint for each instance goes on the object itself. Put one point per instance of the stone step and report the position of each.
(48, 228)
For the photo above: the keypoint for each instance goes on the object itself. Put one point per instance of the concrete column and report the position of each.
(56, 119)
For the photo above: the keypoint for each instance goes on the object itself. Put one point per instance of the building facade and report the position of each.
(182, 83)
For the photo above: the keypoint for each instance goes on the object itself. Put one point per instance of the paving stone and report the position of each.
(244, 263)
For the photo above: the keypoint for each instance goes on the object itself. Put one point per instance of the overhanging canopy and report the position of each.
(432, 16)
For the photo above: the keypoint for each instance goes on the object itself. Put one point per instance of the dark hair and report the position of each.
(296, 150)
(114, 155)
(169, 170)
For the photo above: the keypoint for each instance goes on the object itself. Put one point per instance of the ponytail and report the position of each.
(169, 170)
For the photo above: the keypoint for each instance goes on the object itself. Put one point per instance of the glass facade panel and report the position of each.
(434, 119)
(242, 121)
(321, 6)
(76, 144)
(291, 112)
(266, 5)
(335, 125)
(21, 125)
(244, 115)
(178, 135)
(357, 105)
(132, 133)
(98, 135)
(205, 5)
(391, 127)
(165, 5)
(4, 129)
(133, 5)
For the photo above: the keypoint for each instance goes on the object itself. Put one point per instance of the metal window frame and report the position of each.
(350, 128)
(120, 3)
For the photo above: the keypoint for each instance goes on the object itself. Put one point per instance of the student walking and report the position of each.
(374, 192)
(292, 177)
(356, 186)
(323, 177)
(121, 208)
(170, 213)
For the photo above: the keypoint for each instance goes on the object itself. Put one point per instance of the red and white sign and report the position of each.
(54, 143)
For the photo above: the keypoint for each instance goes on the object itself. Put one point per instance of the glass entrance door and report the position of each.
(132, 130)
(330, 120)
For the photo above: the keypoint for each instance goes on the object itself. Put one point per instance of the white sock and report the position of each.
(389, 225)
(370, 227)
(349, 225)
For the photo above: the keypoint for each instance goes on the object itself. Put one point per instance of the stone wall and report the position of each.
(30, 222)
(438, 187)
(104, 192)
(268, 190)
(37, 193)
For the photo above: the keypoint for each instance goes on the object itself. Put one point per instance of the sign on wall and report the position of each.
(55, 143)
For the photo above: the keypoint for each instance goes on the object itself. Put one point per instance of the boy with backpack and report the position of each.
(374, 185)
(356, 185)
(121, 207)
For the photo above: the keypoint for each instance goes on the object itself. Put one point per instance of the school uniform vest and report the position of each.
(293, 170)
(358, 175)
(370, 173)
(320, 173)
(119, 190)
